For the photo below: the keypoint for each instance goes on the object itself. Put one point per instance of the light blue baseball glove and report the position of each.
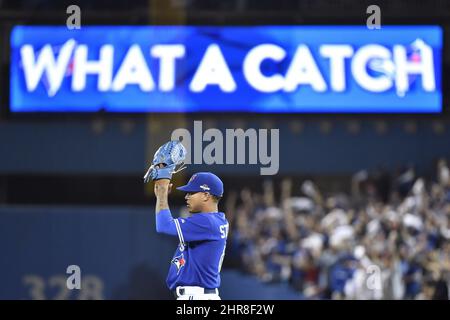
(165, 161)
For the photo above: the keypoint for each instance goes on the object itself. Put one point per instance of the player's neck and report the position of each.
(210, 209)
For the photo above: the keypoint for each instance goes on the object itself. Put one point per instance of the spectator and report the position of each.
(323, 246)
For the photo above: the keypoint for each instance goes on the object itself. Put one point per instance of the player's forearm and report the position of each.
(162, 201)
(164, 220)
(162, 188)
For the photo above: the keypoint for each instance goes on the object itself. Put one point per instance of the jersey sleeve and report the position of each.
(165, 223)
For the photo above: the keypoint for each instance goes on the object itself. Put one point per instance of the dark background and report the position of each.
(96, 161)
(60, 170)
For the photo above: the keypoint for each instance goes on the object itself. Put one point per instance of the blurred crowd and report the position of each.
(387, 238)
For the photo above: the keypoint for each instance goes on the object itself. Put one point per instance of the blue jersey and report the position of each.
(199, 256)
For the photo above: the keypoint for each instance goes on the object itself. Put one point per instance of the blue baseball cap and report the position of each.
(204, 182)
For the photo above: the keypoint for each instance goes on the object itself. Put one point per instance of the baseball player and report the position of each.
(194, 272)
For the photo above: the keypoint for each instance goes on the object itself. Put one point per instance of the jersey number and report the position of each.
(224, 231)
(223, 234)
